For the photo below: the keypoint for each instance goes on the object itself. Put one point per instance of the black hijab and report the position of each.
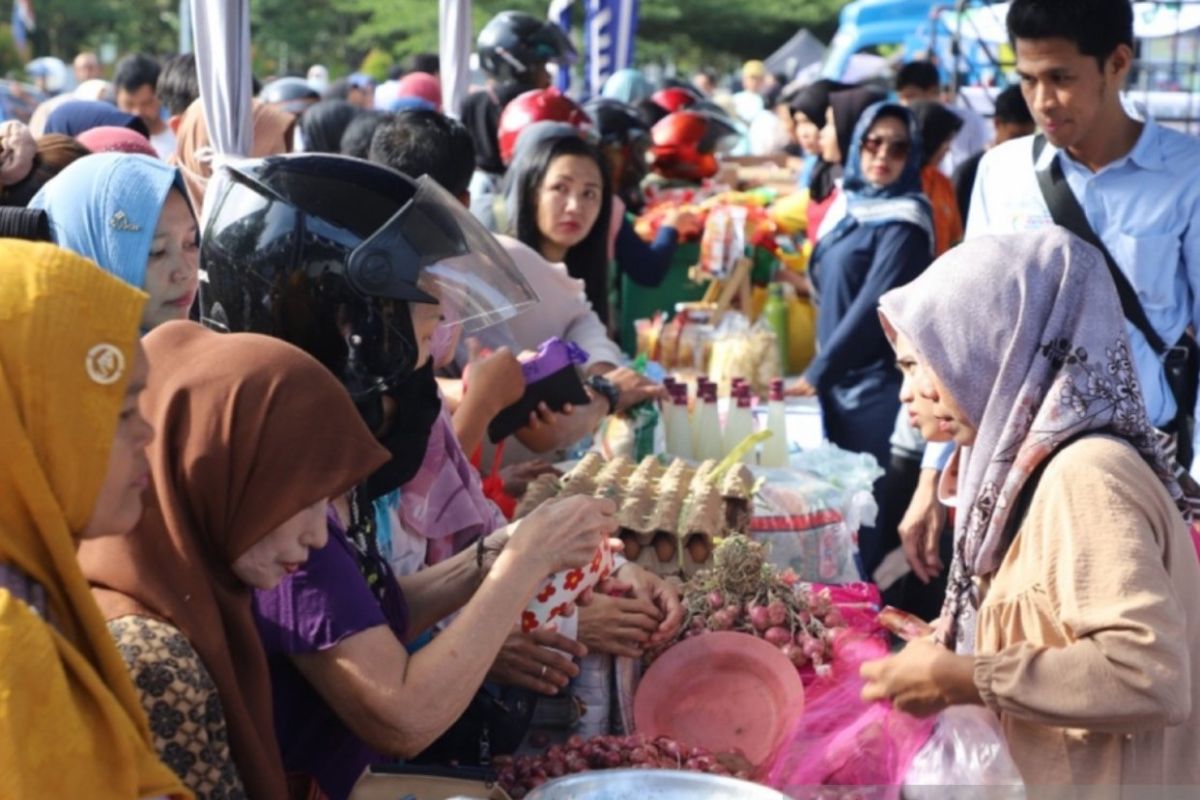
(323, 124)
(813, 100)
(938, 125)
(848, 106)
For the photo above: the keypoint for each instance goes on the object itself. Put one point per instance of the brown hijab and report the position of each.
(249, 432)
(272, 137)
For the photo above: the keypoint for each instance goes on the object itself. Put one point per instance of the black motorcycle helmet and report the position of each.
(622, 133)
(616, 122)
(291, 94)
(326, 252)
(514, 43)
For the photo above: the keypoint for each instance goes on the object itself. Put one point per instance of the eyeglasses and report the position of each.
(889, 147)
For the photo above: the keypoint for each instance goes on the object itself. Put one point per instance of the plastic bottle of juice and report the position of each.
(740, 422)
(775, 449)
(708, 444)
(776, 314)
(679, 426)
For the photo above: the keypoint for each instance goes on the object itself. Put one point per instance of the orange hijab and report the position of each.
(272, 137)
(249, 432)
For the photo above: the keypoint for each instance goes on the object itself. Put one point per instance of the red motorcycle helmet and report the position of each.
(686, 144)
(539, 105)
(675, 98)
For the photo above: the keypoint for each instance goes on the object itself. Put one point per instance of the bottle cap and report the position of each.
(776, 395)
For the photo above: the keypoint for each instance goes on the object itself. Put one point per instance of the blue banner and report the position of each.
(560, 15)
(609, 30)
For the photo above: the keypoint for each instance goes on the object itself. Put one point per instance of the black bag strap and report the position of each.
(1065, 211)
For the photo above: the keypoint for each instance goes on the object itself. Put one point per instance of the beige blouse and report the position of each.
(1088, 644)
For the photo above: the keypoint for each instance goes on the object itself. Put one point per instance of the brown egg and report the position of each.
(665, 547)
(699, 548)
(633, 548)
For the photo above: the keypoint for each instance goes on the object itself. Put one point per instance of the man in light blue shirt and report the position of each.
(1137, 182)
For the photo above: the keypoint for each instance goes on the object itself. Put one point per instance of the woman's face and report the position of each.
(952, 420)
(827, 140)
(283, 550)
(917, 392)
(569, 200)
(807, 133)
(885, 151)
(173, 271)
(119, 505)
(426, 317)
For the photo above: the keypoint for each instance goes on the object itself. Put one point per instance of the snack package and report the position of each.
(904, 625)
(557, 593)
(551, 377)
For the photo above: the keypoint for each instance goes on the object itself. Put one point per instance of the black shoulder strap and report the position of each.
(1065, 210)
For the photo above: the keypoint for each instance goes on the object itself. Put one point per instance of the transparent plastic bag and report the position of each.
(843, 747)
(799, 518)
(965, 757)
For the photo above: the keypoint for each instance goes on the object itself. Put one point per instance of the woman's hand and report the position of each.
(496, 377)
(526, 660)
(922, 679)
(643, 584)
(635, 389)
(564, 534)
(518, 476)
(619, 626)
(801, 388)
(921, 529)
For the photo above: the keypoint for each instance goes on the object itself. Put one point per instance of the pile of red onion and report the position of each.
(518, 776)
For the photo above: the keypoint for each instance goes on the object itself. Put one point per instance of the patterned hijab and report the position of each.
(1026, 333)
(237, 452)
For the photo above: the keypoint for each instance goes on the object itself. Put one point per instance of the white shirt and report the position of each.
(163, 142)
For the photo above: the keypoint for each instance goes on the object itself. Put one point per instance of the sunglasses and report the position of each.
(878, 144)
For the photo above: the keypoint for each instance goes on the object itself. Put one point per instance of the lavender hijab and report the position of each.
(444, 502)
(1026, 332)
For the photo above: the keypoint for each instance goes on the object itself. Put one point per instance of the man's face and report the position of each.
(1068, 92)
(142, 103)
(361, 97)
(86, 68)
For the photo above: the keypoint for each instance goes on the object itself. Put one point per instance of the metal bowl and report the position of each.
(650, 784)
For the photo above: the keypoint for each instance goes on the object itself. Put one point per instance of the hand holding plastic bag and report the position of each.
(842, 747)
(966, 757)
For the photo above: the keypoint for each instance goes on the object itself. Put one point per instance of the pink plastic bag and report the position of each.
(842, 747)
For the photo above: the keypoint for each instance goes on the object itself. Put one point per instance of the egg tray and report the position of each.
(670, 516)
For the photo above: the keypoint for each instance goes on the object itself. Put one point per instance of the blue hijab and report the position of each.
(902, 200)
(106, 206)
(77, 116)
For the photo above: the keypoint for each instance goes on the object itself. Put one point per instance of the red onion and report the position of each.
(778, 636)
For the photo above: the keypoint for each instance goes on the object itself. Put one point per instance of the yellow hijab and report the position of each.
(71, 724)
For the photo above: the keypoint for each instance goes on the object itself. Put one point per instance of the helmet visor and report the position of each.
(551, 44)
(433, 250)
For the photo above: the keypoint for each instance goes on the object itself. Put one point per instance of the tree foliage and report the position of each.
(289, 35)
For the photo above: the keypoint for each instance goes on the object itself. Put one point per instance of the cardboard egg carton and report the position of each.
(670, 517)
